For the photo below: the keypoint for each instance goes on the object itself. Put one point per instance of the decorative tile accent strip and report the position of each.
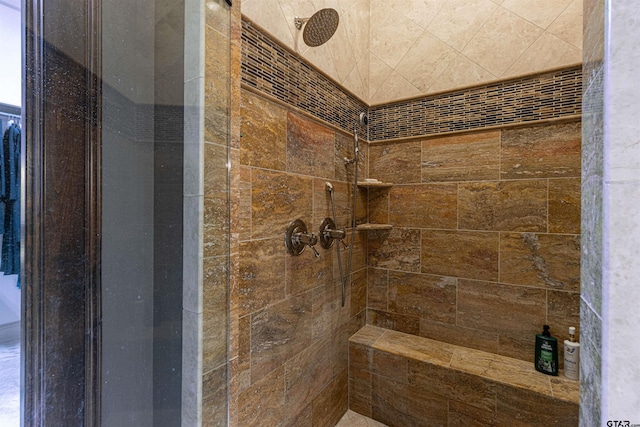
(273, 69)
(549, 95)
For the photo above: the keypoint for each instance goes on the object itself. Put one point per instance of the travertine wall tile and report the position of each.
(263, 133)
(263, 403)
(332, 402)
(216, 87)
(503, 309)
(310, 148)
(378, 205)
(277, 199)
(358, 292)
(214, 397)
(459, 335)
(304, 418)
(546, 260)
(214, 313)
(471, 157)
(398, 249)
(459, 386)
(564, 311)
(517, 405)
(377, 289)
(503, 205)
(389, 365)
(215, 169)
(408, 381)
(345, 152)
(262, 263)
(519, 346)
(469, 254)
(564, 205)
(342, 198)
(424, 206)
(216, 225)
(397, 163)
(394, 321)
(244, 206)
(290, 325)
(395, 403)
(306, 375)
(461, 415)
(244, 353)
(423, 296)
(360, 396)
(305, 271)
(549, 151)
(437, 231)
(278, 332)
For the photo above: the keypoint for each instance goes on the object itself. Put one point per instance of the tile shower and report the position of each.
(484, 249)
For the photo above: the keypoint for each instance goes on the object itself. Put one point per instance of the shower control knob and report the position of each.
(329, 233)
(296, 238)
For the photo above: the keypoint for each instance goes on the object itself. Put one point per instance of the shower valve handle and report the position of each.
(296, 238)
(307, 239)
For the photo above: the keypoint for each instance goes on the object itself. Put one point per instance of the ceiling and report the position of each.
(388, 50)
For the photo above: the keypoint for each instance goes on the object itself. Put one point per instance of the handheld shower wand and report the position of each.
(344, 278)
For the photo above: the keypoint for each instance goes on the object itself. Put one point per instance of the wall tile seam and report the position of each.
(217, 144)
(591, 308)
(287, 297)
(593, 82)
(211, 370)
(493, 128)
(296, 174)
(458, 278)
(484, 231)
(472, 181)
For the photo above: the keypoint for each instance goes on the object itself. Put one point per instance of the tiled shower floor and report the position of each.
(10, 384)
(353, 419)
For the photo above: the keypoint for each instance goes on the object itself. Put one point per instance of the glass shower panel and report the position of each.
(165, 133)
(143, 145)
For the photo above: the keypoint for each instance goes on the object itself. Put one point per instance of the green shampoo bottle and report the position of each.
(546, 358)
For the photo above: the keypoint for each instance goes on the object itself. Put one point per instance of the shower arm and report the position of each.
(299, 22)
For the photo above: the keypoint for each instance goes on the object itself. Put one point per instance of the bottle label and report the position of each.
(545, 362)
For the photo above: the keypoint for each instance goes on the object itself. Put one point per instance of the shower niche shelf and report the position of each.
(374, 184)
(373, 227)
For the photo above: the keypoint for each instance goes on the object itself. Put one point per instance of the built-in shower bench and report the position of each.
(405, 380)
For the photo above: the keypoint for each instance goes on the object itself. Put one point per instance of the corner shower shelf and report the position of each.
(373, 227)
(367, 184)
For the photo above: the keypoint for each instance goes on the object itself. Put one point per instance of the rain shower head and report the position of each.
(319, 28)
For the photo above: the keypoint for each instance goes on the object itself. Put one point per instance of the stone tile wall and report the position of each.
(485, 247)
(292, 332)
(407, 381)
(210, 201)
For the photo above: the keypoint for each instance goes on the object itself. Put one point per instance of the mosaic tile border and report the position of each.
(551, 95)
(273, 69)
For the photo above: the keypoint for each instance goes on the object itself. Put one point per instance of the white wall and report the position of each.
(9, 299)
(621, 222)
(11, 68)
